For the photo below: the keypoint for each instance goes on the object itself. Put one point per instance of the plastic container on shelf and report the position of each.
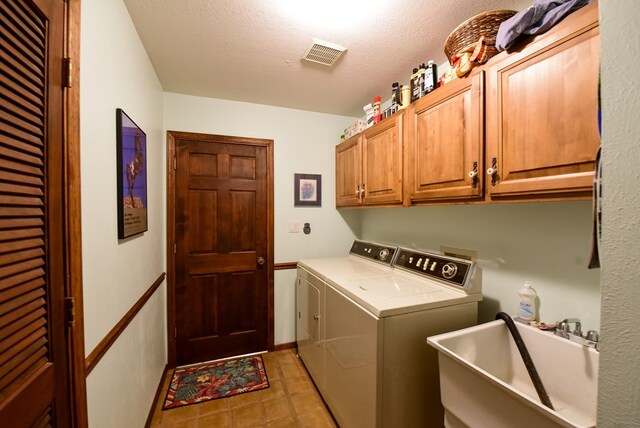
(527, 307)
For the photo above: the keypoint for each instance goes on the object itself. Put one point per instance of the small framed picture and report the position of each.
(131, 144)
(307, 190)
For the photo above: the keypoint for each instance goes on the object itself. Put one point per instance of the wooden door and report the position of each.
(348, 172)
(542, 134)
(382, 162)
(445, 143)
(34, 382)
(223, 254)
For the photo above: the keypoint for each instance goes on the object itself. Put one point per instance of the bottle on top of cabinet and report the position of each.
(377, 113)
(417, 78)
(395, 97)
(430, 77)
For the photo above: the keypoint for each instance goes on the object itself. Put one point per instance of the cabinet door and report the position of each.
(382, 162)
(445, 142)
(348, 172)
(542, 134)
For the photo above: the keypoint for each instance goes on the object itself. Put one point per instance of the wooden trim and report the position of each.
(285, 266)
(283, 346)
(96, 355)
(171, 232)
(72, 218)
(156, 397)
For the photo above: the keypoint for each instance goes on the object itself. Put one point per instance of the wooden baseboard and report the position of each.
(156, 398)
(283, 346)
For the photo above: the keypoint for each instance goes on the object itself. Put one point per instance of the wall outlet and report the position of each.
(294, 227)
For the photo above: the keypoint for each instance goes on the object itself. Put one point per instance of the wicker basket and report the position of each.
(466, 34)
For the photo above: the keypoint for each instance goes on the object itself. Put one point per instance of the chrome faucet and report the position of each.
(564, 330)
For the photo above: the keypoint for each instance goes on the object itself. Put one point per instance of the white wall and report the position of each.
(116, 72)
(544, 243)
(619, 383)
(303, 143)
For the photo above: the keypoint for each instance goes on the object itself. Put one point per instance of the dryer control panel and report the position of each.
(376, 252)
(453, 271)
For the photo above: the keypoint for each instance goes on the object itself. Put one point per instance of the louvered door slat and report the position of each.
(11, 345)
(20, 74)
(20, 156)
(19, 268)
(22, 322)
(20, 256)
(29, 32)
(31, 23)
(20, 313)
(15, 292)
(34, 118)
(19, 53)
(27, 361)
(19, 279)
(20, 178)
(20, 123)
(7, 235)
(45, 421)
(15, 84)
(13, 98)
(24, 190)
(32, 49)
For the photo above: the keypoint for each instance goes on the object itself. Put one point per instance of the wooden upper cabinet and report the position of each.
(369, 166)
(445, 143)
(382, 162)
(542, 134)
(349, 172)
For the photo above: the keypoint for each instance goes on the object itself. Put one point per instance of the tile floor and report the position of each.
(290, 401)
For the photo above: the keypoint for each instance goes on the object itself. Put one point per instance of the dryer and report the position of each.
(362, 321)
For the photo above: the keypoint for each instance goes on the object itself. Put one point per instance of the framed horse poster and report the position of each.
(132, 176)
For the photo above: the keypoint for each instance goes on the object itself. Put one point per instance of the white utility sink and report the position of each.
(484, 382)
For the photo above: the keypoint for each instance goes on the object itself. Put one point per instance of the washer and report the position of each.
(362, 321)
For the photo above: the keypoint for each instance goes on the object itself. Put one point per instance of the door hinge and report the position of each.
(70, 310)
(175, 248)
(67, 73)
(175, 163)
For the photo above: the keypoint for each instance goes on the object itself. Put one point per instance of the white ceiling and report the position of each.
(250, 50)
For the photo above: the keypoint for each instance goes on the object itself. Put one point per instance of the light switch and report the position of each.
(294, 227)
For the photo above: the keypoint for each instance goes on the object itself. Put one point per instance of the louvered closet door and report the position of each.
(33, 368)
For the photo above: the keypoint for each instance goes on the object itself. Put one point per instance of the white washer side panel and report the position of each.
(352, 356)
(411, 385)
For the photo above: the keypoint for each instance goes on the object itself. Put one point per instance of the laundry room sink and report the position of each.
(484, 382)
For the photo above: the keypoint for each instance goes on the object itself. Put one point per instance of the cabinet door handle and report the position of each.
(492, 171)
(261, 261)
(316, 317)
(358, 192)
(473, 175)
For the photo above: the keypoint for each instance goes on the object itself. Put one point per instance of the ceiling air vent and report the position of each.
(323, 52)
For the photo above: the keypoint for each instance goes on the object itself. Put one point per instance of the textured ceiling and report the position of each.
(250, 50)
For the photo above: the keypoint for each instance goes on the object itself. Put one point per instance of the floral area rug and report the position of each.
(215, 379)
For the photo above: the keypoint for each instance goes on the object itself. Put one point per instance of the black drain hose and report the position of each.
(528, 362)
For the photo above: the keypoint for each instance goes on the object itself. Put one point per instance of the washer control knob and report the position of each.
(384, 254)
(449, 270)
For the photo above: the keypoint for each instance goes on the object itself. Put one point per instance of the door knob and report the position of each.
(261, 261)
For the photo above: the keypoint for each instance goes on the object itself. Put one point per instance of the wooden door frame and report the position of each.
(72, 216)
(172, 136)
